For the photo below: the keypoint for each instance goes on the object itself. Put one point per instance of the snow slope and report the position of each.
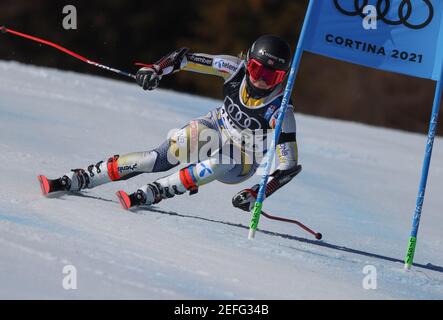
(357, 187)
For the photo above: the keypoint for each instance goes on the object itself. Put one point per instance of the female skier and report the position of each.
(253, 91)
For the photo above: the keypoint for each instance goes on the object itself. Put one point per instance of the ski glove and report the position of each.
(148, 77)
(245, 199)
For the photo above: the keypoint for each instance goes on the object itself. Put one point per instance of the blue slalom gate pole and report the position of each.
(424, 176)
(256, 211)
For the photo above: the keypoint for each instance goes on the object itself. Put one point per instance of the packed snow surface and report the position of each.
(358, 188)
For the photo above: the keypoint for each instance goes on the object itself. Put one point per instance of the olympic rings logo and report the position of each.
(383, 8)
(241, 118)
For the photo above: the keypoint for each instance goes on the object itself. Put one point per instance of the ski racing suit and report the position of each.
(238, 113)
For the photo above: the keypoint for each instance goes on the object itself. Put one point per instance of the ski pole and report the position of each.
(317, 235)
(284, 104)
(3, 29)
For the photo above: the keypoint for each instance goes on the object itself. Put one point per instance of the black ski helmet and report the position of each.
(274, 53)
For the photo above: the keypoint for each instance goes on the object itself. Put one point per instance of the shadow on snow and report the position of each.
(318, 243)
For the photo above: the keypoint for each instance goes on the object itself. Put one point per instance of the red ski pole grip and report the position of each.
(3, 29)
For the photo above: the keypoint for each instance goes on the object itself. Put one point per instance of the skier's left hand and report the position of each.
(245, 199)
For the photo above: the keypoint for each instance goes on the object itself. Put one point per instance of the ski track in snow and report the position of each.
(357, 187)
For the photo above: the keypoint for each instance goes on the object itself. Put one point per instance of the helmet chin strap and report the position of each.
(255, 92)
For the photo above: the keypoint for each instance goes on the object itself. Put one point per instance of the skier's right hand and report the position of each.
(148, 77)
(245, 199)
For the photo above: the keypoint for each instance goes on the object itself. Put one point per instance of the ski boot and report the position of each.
(164, 188)
(140, 197)
(51, 187)
(76, 180)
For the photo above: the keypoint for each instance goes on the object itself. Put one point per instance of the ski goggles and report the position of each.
(258, 71)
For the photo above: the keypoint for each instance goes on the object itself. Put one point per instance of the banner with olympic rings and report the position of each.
(403, 36)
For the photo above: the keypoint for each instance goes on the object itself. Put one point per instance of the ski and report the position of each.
(125, 200)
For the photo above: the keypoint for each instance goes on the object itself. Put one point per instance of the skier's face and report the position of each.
(260, 84)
